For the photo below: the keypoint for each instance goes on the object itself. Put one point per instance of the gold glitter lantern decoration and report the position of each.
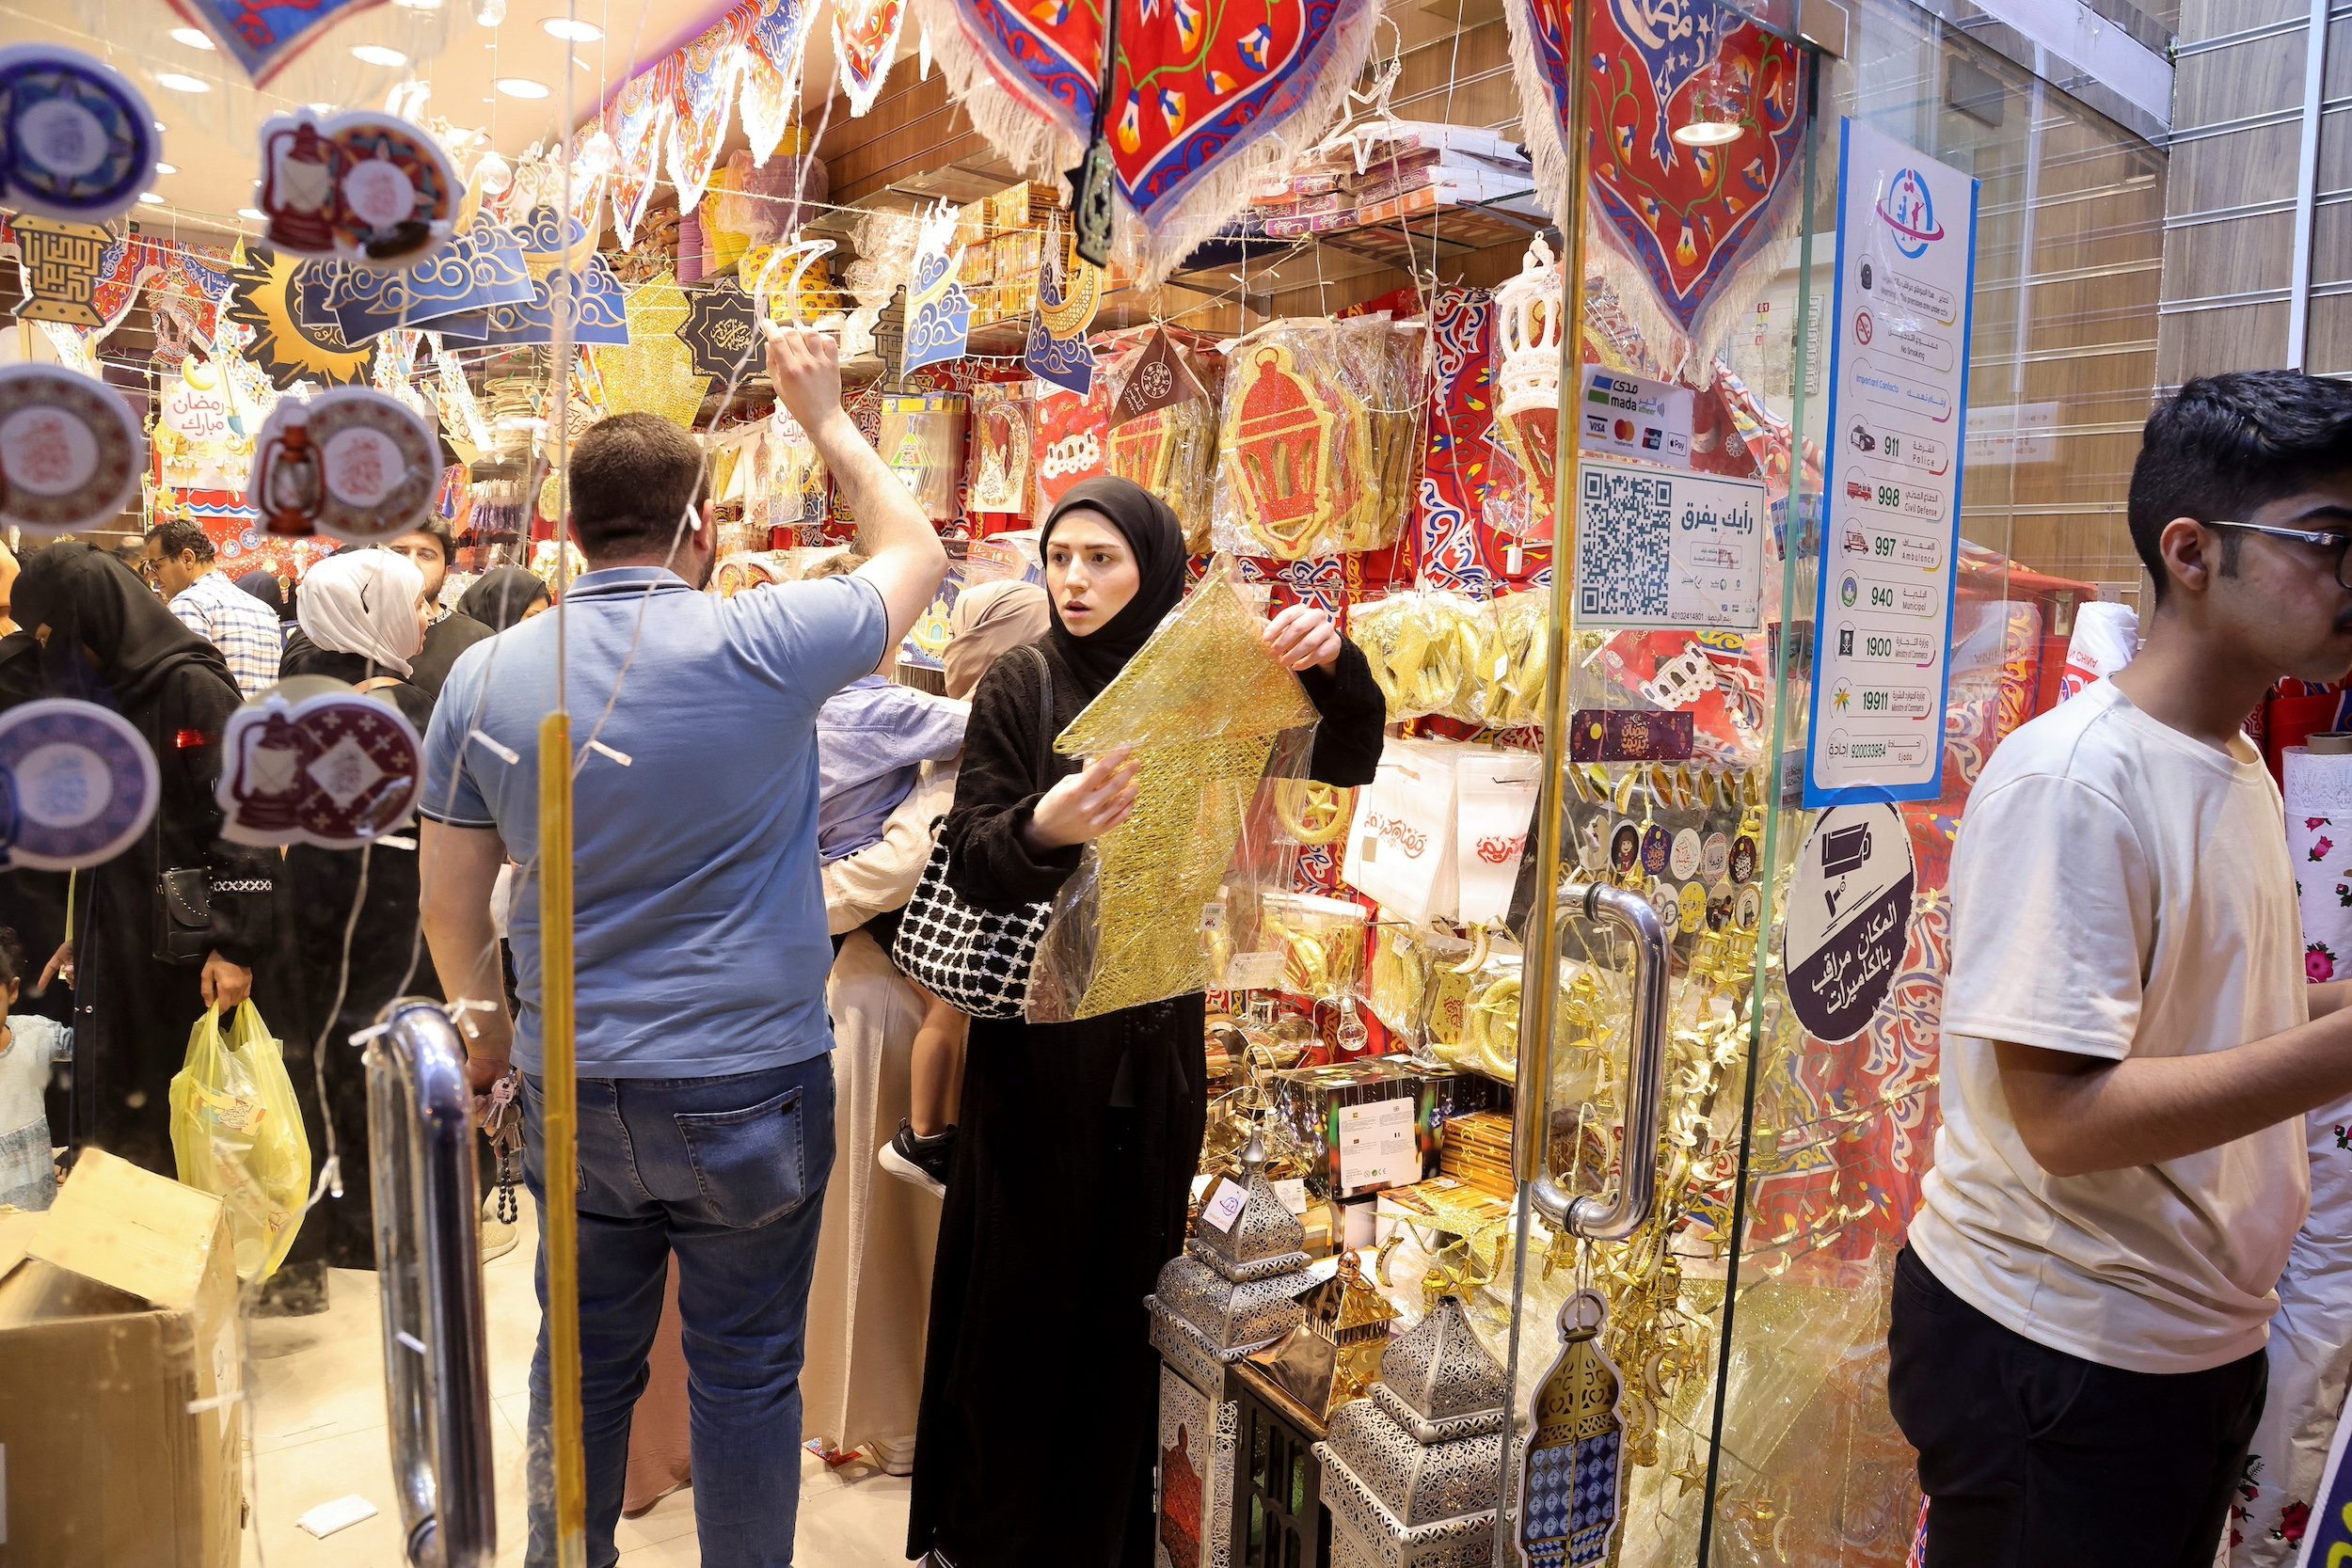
(655, 374)
(1202, 704)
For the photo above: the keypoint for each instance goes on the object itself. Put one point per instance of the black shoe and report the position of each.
(921, 1161)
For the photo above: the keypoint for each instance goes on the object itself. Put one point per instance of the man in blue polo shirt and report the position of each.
(706, 1082)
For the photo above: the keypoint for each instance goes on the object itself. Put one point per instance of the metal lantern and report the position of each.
(1334, 1356)
(1412, 1475)
(1233, 1291)
(890, 340)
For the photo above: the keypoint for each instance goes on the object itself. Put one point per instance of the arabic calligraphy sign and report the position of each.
(1848, 916)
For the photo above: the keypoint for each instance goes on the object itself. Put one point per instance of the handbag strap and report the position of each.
(1045, 759)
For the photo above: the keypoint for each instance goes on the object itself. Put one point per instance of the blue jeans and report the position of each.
(729, 1173)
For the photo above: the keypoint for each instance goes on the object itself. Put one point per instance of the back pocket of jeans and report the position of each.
(749, 1163)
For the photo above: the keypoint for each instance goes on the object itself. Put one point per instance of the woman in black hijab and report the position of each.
(504, 596)
(1077, 1142)
(107, 639)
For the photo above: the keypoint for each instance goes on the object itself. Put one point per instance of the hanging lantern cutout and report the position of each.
(1573, 1477)
(78, 141)
(312, 760)
(1282, 449)
(363, 186)
(71, 454)
(1527, 413)
(59, 263)
(351, 464)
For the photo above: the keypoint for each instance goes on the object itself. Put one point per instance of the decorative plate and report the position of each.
(78, 141)
(369, 187)
(84, 780)
(374, 464)
(334, 769)
(71, 454)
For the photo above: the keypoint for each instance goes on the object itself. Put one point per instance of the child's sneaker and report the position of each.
(921, 1161)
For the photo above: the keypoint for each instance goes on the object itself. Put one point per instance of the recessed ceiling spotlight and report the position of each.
(570, 31)
(376, 54)
(166, 168)
(520, 87)
(252, 215)
(179, 83)
(151, 199)
(194, 38)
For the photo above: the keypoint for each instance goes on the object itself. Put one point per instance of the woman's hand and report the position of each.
(1087, 804)
(225, 986)
(1303, 637)
(60, 967)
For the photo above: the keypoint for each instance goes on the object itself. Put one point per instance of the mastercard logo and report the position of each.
(1624, 430)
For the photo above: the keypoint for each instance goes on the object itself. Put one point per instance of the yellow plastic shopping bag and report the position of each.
(237, 1133)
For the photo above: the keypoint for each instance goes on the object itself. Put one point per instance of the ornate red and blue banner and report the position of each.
(1197, 90)
(1685, 230)
(707, 73)
(262, 34)
(865, 37)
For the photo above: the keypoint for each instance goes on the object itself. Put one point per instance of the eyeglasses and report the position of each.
(2325, 539)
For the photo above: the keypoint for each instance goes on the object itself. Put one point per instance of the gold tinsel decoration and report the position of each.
(655, 374)
(1202, 704)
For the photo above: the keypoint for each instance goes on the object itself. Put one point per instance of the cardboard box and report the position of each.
(119, 1425)
(1354, 1149)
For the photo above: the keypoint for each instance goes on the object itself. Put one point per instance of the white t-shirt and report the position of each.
(2119, 889)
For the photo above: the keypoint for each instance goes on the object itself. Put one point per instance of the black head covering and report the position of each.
(268, 587)
(1149, 525)
(109, 636)
(498, 597)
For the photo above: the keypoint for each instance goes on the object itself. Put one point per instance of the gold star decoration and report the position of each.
(655, 374)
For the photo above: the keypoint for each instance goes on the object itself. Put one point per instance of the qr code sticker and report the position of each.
(1624, 547)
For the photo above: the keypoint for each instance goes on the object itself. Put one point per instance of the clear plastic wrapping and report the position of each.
(1170, 450)
(1517, 661)
(1209, 716)
(1424, 647)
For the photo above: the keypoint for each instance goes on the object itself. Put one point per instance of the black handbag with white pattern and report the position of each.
(976, 960)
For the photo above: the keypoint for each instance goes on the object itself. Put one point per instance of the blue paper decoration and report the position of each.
(262, 34)
(939, 312)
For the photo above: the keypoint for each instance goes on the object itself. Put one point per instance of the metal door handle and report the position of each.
(1637, 1178)
(428, 1212)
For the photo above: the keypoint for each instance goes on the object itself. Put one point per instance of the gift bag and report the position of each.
(237, 1133)
(1400, 845)
(1494, 800)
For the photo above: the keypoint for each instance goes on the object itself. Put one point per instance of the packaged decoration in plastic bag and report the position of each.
(1163, 432)
(1068, 443)
(999, 456)
(1321, 940)
(1521, 647)
(1209, 715)
(236, 1133)
(1423, 648)
(1293, 460)
(1387, 366)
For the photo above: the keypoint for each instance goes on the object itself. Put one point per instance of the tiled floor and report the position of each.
(318, 1422)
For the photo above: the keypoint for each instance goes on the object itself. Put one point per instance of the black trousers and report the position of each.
(2032, 1458)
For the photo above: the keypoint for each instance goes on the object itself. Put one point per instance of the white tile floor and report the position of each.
(318, 1434)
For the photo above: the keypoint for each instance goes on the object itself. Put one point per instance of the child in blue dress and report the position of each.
(30, 1049)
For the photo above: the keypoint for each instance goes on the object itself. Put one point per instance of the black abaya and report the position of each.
(1074, 1157)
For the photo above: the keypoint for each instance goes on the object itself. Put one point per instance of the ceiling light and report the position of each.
(520, 87)
(194, 38)
(252, 215)
(570, 31)
(178, 83)
(376, 54)
(166, 168)
(151, 199)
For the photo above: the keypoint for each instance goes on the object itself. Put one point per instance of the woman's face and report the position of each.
(538, 607)
(1090, 572)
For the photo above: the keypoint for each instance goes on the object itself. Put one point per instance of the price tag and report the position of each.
(1292, 1191)
(1225, 1205)
(1254, 971)
(1376, 1148)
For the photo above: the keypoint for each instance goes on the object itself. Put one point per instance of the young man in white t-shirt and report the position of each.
(2129, 1042)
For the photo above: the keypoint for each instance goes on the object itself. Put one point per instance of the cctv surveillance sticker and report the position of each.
(1847, 918)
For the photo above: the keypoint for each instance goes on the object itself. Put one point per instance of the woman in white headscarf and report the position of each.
(362, 623)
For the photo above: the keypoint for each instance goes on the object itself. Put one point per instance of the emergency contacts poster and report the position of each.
(1898, 411)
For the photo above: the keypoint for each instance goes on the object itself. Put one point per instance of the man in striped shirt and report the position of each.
(181, 564)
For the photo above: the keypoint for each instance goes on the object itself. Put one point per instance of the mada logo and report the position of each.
(1396, 830)
(1499, 850)
(1908, 208)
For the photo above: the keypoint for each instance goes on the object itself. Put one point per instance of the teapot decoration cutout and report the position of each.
(312, 760)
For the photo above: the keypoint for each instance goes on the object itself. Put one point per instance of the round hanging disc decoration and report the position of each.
(313, 761)
(71, 454)
(368, 187)
(1847, 918)
(78, 140)
(81, 780)
(351, 462)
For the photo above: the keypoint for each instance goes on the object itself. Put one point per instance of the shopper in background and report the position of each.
(447, 633)
(2128, 1039)
(277, 593)
(348, 918)
(107, 639)
(1087, 1130)
(704, 1083)
(182, 565)
(504, 596)
(32, 1048)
